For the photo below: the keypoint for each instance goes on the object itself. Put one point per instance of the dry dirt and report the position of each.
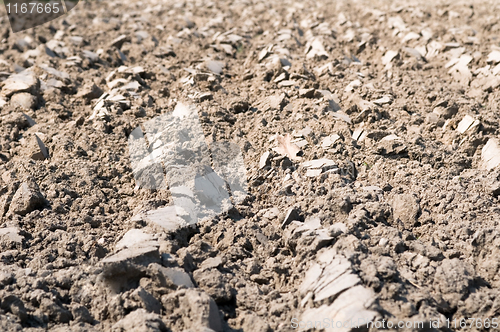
(369, 131)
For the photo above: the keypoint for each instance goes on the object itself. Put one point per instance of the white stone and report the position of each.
(490, 154)
(467, 123)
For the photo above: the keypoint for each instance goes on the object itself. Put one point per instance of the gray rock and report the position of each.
(129, 261)
(91, 56)
(25, 81)
(215, 67)
(406, 209)
(76, 40)
(26, 199)
(212, 262)
(140, 321)
(24, 100)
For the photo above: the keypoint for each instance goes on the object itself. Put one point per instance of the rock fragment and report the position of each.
(389, 56)
(264, 160)
(315, 48)
(467, 123)
(129, 261)
(26, 81)
(493, 57)
(24, 100)
(135, 237)
(171, 276)
(307, 93)
(490, 154)
(406, 209)
(89, 91)
(198, 310)
(12, 233)
(27, 199)
(119, 41)
(352, 305)
(41, 153)
(328, 141)
(215, 67)
(291, 215)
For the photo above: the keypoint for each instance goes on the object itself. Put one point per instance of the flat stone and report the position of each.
(205, 96)
(93, 57)
(493, 57)
(41, 153)
(57, 73)
(336, 285)
(134, 237)
(292, 214)
(319, 163)
(119, 41)
(383, 100)
(307, 93)
(311, 173)
(264, 160)
(329, 141)
(25, 81)
(350, 306)
(210, 263)
(76, 40)
(89, 91)
(389, 56)
(125, 262)
(490, 154)
(12, 233)
(177, 276)
(467, 123)
(287, 83)
(316, 49)
(215, 67)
